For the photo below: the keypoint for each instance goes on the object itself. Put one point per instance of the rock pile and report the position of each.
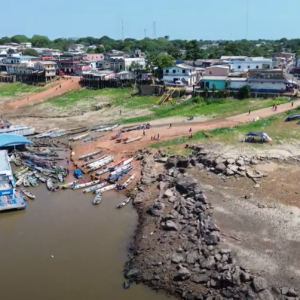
(176, 246)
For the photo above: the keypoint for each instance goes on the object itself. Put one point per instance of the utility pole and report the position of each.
(247, 19)
(145, 31)
(154, 30)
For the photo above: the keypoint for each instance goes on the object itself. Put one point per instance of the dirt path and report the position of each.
(66, 86)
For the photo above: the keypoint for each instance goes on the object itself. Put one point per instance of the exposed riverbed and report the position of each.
(89, 244)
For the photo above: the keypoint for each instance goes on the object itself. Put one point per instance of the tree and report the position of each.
(30, 52)
(193, 51)
(135, 66)
(40, 41)
(19, 39)
(244, 92)
(163, 60)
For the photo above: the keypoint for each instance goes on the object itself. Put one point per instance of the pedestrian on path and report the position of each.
(292, 104)
(190, 130)
(170, 125)
(158, 136)
(144, 133)
(120, 112)
(68, 162)
(249, 112)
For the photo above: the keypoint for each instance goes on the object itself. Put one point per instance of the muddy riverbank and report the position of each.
(182, 248)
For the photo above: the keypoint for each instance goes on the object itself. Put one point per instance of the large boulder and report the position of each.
(186, 184)
(192, 257)
(220, 168)
(132, 273)
(171, 225)
(259, 284)
(183, 162)
(208, 263)
(177, 258)
(183, 274)
(171, 162)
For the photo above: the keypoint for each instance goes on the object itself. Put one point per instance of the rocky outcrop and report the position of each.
(176, 246)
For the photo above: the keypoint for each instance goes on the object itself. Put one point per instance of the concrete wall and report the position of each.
(220, 84)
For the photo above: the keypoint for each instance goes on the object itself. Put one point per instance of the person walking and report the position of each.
(292, 104)
(120, 112)
(249, 112)
(158, 136)
(170, 125)
(68, 162)
(190, 130)
(144, 133)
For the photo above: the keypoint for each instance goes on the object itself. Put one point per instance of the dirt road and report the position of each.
(63, 86)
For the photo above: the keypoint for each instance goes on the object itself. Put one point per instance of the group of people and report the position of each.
(155, 137)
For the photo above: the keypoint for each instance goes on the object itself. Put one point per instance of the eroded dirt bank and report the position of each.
(209, 231)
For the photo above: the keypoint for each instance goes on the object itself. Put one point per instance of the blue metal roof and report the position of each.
(10, 139)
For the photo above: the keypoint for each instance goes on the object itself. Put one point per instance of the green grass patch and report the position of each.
(217, 108)
(17, 89)
(274, 126)
(118, 97)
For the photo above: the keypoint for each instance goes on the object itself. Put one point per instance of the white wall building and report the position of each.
(250, 63)
(182, 73)
(26, 45)
(124, 64)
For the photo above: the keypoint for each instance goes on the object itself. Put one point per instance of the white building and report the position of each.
(124, 64)
(26, 45)
(181, 73)
(250, 63)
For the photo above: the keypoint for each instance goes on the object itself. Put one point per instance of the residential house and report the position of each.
(98, 75)
(125, 75)
(76, 48)
(217, 70)
(80, 68)
(93, 56)
(286, 55)
(265, 81)
(68, 61)
(181, 73)
(102, 65)
(26, 45)
(125, 64)
(250, 63)
(215, 77)
(48, 67)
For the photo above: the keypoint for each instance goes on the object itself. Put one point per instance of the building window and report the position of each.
(174, 71)
(209, 72)
(239, 67)
(248, 67)
(183, 71)
(257, 67)
(167, 71)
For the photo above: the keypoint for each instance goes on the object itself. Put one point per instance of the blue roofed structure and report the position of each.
(10, 140)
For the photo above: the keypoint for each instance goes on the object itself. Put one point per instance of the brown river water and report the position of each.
(89, 244)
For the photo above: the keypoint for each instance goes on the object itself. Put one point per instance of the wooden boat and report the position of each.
(67, 185)
(94, 162)
(60, 177)
(97, 199)
(45, 133)
(95, 187)
(107, 128)
(32, 180)
(89, 154)
(122, 204)
(42, 179)
(116, 176)
(24, 170)
(111, 168)
(50, 184)
(18, 162)
(126, 183)
(82, 185)
(106, 188)
(26, 182)
(57, 133)
(121, 166)
(78, 137)
(27, 194)
(133, 140)
(120, 169)
(93, 138)
(20, 181)
(101, 164)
